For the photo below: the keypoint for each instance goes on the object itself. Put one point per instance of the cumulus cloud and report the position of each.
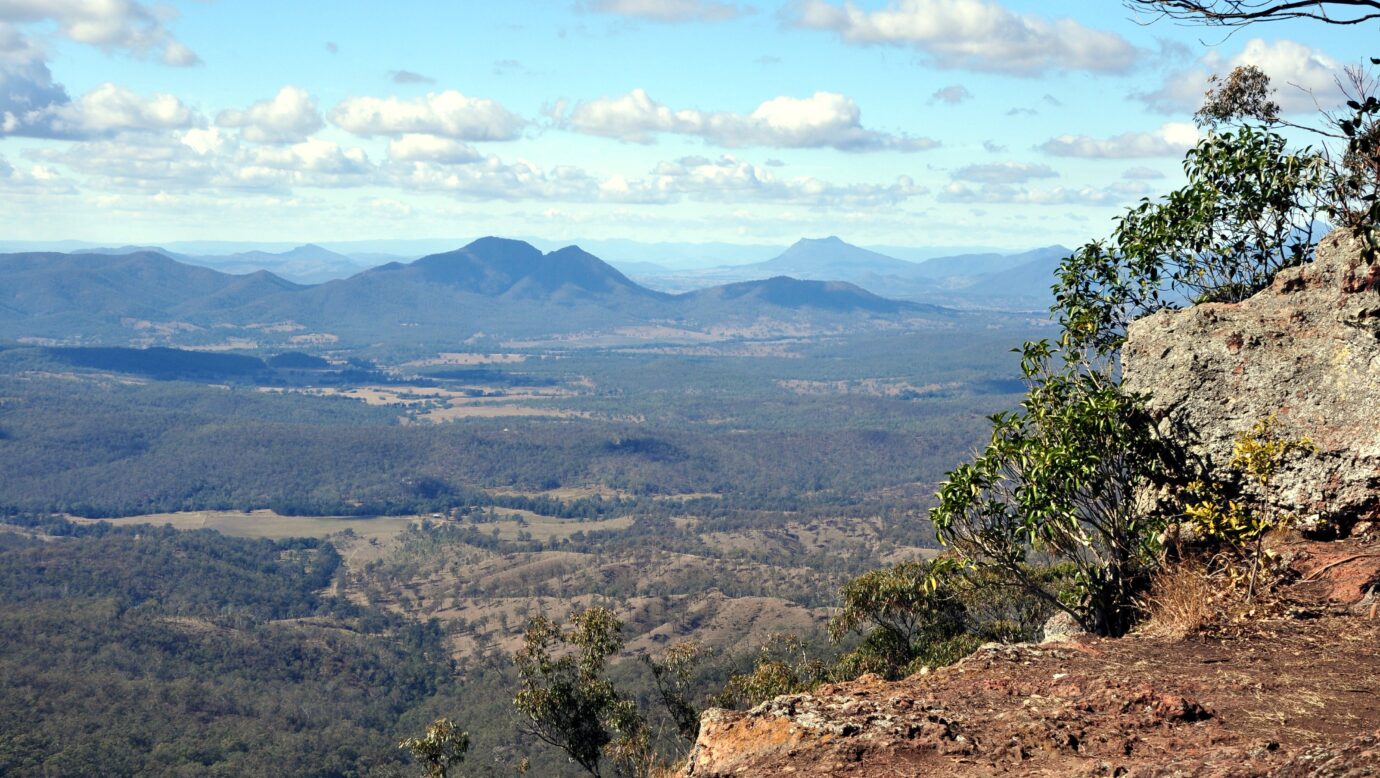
(1170, 140)
(1304, 78)
(666, 10)
(725, 179)
(27, 89)
(204, 159)
(110, 24)
(289, 116)
(972, 35)
(106, 110)
(733, 179)
(446, 114)
(430, 148)
(38, 178)
(1003, 173)
(953, 95)
(823, 120)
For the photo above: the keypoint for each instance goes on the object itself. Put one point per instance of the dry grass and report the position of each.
(1182, 600)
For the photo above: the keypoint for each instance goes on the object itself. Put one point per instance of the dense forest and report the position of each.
(152, 651)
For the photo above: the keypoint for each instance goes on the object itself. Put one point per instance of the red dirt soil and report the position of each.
(1292, 689)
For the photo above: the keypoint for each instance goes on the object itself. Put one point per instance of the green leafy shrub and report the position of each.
(442, 747)
(783, 666)
(909, 615)
(1249, 210)
(1239, 523)
(566, 697)
(1057, 483)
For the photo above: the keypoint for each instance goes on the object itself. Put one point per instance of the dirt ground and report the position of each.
(1291, 690)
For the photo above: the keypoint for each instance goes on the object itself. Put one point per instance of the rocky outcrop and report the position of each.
(1306, 350)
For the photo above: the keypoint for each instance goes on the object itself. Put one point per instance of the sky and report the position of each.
(1003, 123)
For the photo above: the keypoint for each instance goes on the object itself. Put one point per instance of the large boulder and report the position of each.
(1307, 351)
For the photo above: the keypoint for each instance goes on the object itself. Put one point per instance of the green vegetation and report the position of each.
(1058, 482)
(1248, 211)
(442, 747)
(569, 702)
(1222, 514)
(150, 651)
(909, 616)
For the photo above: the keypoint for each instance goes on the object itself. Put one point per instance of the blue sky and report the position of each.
(909, 122)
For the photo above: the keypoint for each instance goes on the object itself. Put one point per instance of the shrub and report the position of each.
(1249, 210)
(442, 747)
(1057, 482)
(909, 615)
(783, 666)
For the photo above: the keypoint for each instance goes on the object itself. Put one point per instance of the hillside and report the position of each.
(831, 259)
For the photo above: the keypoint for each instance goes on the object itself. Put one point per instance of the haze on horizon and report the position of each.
(907, 122)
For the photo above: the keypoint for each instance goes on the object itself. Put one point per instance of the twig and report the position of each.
(1313, 576)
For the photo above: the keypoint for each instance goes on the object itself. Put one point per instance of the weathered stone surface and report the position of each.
(1307, 350)
(1060, 627)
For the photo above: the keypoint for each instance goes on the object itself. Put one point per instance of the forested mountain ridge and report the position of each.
(492, 285)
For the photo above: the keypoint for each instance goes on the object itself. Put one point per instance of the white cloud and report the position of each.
(1007, 194)
(1304, 78)
(823, 120)
(1004, 173)
(288, 117)
(721, 180)
(666, 10)
(973, 35)
(493, 179)
(205, 159)
(109, 109)
(109, 24)
(313, 162)
(728, 178)
(1142, 174)
(447, 114)
(36, 179)
(1170, 140)
(27, 89)
(430, 148)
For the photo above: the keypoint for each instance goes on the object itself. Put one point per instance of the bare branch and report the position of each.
(1238, 13)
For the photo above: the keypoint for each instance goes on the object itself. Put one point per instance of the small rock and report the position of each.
(1060, 628)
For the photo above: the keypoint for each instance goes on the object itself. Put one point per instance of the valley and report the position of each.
(714, 484)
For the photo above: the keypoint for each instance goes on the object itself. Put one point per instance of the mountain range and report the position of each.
(493, 286)
(984, 280)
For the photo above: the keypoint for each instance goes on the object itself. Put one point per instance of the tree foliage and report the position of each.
(1249, 210)
(909, 615)
(783, 666)
(568, 700)
(1057, 481)
(442, 747)
(673, 673)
